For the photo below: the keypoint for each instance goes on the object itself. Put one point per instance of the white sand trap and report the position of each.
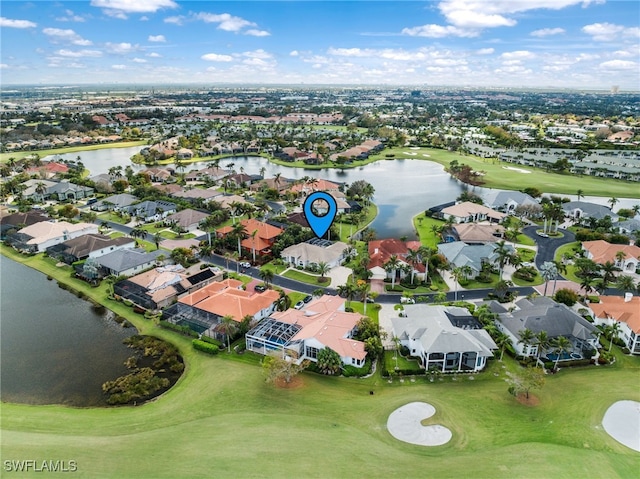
(409, 153)
(404, 425)
(519, 170)
(424, 154)
(414, 147)
(622, 422)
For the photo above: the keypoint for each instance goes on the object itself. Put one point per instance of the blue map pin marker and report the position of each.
(320, 224)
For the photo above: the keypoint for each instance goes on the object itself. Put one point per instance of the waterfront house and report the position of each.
(381, 251)
(508, 201)
(39, 236)
(88, 246)
(622, 310)
(475, 256)
(127, 262)
(468, 212)
(17, 221)
(315, 251)
(474, 233)
(577, 210)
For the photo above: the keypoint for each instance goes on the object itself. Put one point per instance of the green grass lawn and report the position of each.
(306, 278)
(423, 225)
(527, 255)
(473, 284)
(346, 230)
(498, 177)
(525, 240)
(391, 359)
(110, 216)
(222, 420)
(241, 277)
(18, 155)
(521, 282)
(571, 269)
(276, 268)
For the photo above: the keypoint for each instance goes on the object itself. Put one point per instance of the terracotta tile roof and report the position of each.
(223, 298)
(466, 208)
(381, 250)
(615, 307)
(319, 185)
(603, 251)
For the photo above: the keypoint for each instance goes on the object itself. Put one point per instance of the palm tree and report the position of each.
(548, 271)
(560, 346)
(542, 341)
(625, 283)
(262, 171)
(635, 209)
(266, 275)
(502, 341)
(348, 291)
(413, 257)
(580, 194)
(157, 239)
(614, 331)
(253, 245)
(323, 269)
(283, 302)
(620, 256)
(504, 255)
(527, 337)
(613, 201)
(458, 273)
(228, 326)
(562, 268)
(425, 256)
(608, 273)
(238, 231)
(391, 266)
(235, 207)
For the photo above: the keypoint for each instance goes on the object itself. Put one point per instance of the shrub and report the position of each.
(352, 371)
(127, 302)
(186, 330)
(209, 340)
(566, 296)
(205, 347)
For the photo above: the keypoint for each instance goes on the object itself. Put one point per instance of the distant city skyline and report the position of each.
(587, 44)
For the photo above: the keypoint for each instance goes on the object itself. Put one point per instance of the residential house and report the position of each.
(445, 339)
(204, 309)
(127, 262)
(88, 246)
(184, 154)
(63, 190)
(37, 190)
(116, 202)
(159, 287)
(380, 251)
(468, 212)
(629, 226)
(48, 169)
(544, 314)
(625, 257)
(280, 185)
(259, 236)
(195, 194)
(241, 180)
(622, 310)
(208, 174)
(507, 201)
(475, 256)
(315, 251)
(16, 221)
(474, 233)
(308, 187)
(583, 209)
(39, 236)
(186, 220)
(150, 211)
(301, 334)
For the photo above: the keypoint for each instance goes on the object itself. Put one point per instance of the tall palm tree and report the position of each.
(580, 194)
(562, 269)
(238, 231)
(502, 341)
(283, 302)
(425, 256)
(413, 257)
(613, 201)
(608, 273)
(527, 337)
(266, 275)
(253, 245)
(548, 271)
(323, 269)
(458, 273)
(504, 255)
(620, 256)
(613, 330)
(560, 346)
(229, 326)
(625, 283)
(543, 342)
(391, 266)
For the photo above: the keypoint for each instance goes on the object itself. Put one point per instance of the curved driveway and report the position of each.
(547, 246)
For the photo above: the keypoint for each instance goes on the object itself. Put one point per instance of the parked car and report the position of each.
(544, 235)
(405, 300)
(245, 264)
(299, 305)
(307, 298)
(260, 288)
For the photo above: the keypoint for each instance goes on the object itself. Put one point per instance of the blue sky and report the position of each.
(497, 43)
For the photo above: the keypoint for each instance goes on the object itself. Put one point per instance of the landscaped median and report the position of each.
(307, 278)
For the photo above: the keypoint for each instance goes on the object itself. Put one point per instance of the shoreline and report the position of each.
(4, 157)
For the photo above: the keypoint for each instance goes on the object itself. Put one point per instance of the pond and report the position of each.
(55, 349)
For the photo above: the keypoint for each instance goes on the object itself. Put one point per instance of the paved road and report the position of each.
(547, 246)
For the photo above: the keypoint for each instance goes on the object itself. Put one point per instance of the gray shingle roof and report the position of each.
(125, 259)
(591, 210)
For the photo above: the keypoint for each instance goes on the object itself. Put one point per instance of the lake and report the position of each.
(54, 348)
(403, 187)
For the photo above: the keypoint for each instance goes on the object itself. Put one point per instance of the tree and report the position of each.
(348, 291)
(283, 302)
(413, 257)
(229, 327)
(526, 379)
(580, 194)
(548, 271)
(625, 283)
(457, 273)
(566, 296)
(560, 345)
(504, 255)
(323, 269)
(502, 341)
(329, 361)
(391, 266)
(613, 331)
(527, 338)
(238, 232)
(278, 368)
(266, 275)
(543, 342)
(613, 201)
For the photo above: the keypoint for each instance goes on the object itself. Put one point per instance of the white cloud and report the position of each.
(215, 57)
(546, 32)
(70, 17)
(4, 65)
(467, 18)
(154, 55)
(157, 38)
(58, 35)
(176, 20)
(517, 55)
(120, 48)
(79, 53)
(260, 53)
(609, 32)
(294, 53)
(225, 21)
(9, 23)
(438, 31)
(485, 51)
(619, 65)
(119, 67)
(257, 33)
(139, 60)
(120, 8)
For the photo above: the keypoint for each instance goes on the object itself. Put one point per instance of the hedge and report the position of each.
(186, 330)
(205, 347)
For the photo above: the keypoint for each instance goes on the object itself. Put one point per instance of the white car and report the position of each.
(245, 264)
(299, 305)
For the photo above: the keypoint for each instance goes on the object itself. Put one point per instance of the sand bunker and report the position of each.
(622, 422)
(409, 153)
(405, 425)
(519, 170)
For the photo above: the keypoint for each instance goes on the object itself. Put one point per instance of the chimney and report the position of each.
(627, 297)
(375, 251)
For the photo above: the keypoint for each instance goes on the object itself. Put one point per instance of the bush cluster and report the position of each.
(205, 347)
